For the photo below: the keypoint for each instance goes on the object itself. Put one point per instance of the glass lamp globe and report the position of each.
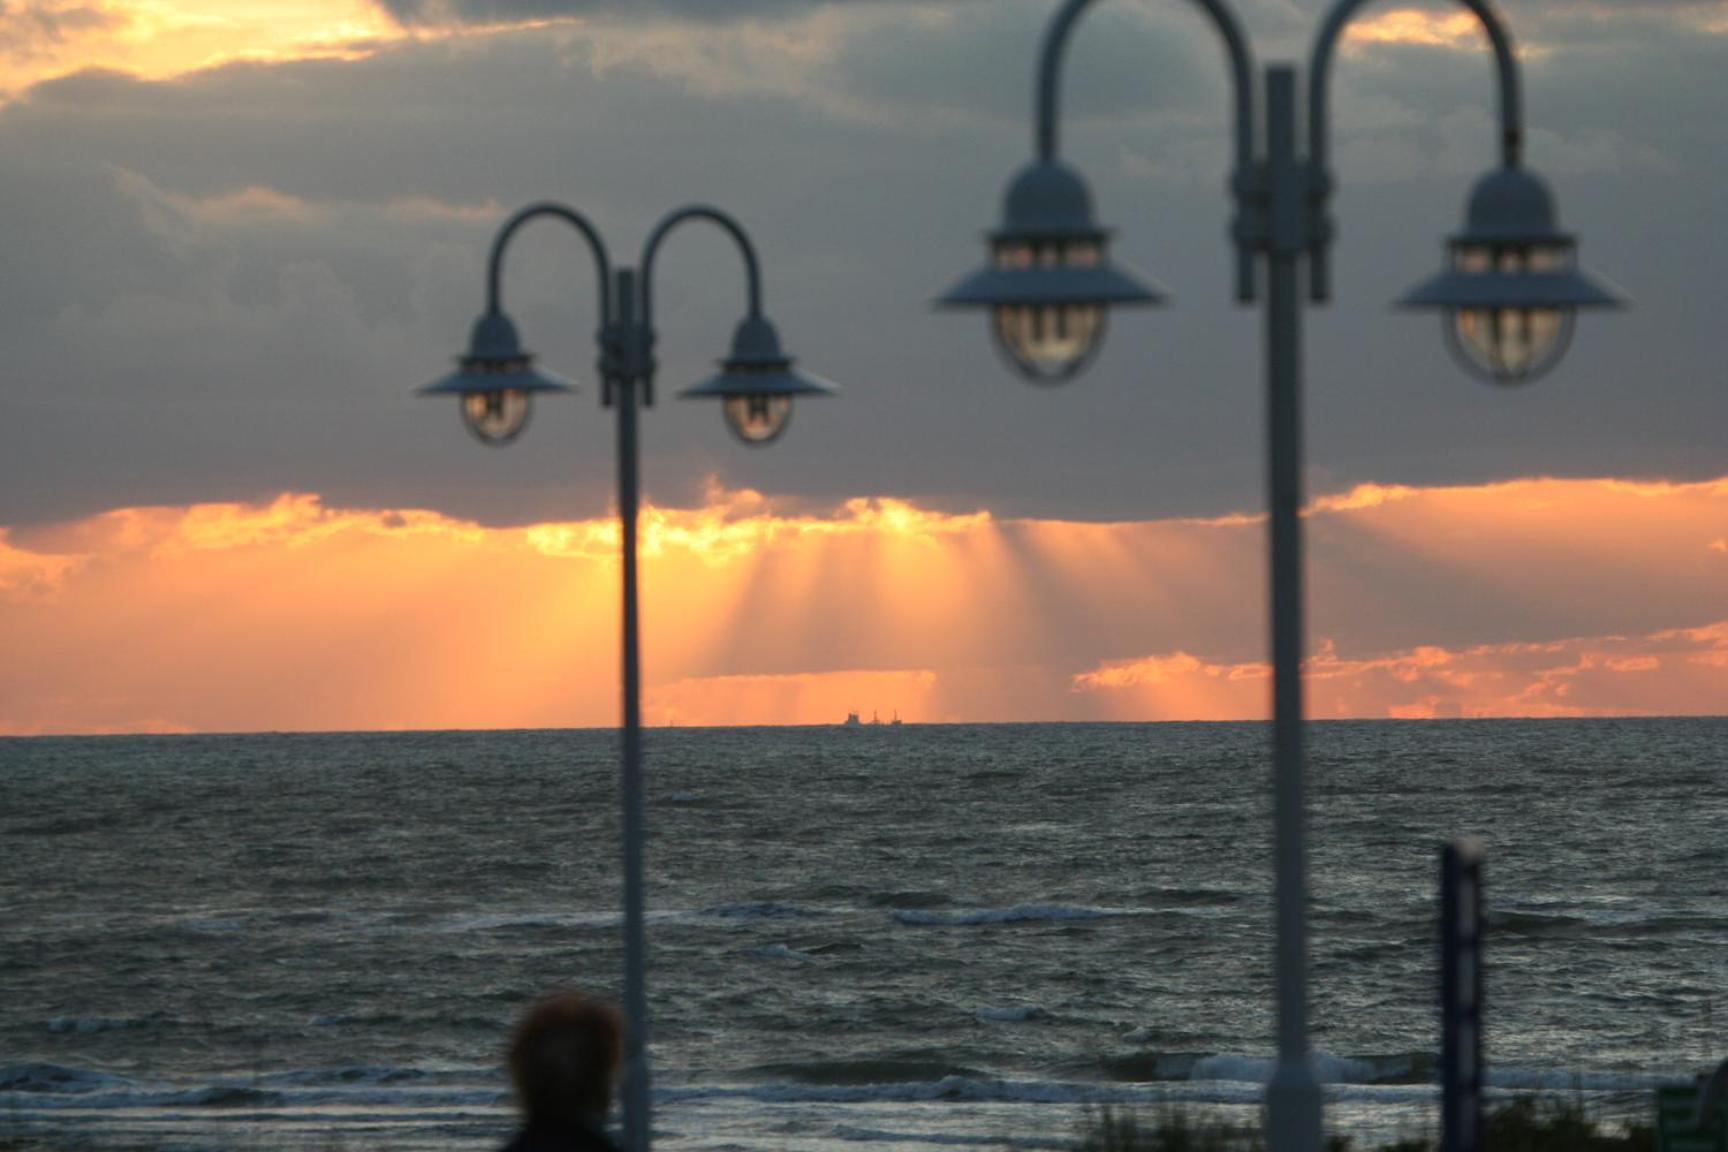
(496, 416)
(1049, 342)
(1048, 283)
(756, 384)
(1512, 287)
(758, 417)
(1505, 344)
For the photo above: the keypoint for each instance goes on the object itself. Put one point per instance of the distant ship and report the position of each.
(852, 720)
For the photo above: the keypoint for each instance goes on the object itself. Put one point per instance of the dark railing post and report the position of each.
(1461, 997)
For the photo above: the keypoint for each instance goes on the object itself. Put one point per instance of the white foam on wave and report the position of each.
(1019, 912)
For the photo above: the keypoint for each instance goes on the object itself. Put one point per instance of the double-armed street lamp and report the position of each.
(1508, 296)
(496, 382)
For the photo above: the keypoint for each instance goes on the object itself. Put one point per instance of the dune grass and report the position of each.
(1528, 1124)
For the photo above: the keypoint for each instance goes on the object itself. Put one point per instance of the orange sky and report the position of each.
(1530, 597)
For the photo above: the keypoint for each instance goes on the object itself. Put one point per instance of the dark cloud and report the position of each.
(227, 285)
(27, 29)
(423, 13)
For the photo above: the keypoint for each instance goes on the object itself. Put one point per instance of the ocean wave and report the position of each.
(343, 1019)
(908, 898)
(209, 926)
(378, 1074)
(1016, 914)
(391, 1020)
(227, 1096)
(951, 1139)
(1539, 924)
(250, 1096)
(977, 1089)
(87, 1025)
(1193, 897)
(1666, 925)
(1556, 1080)
(1258, 1069)
(1563, 924)
(964, 1089)
(756, 910)
(782, 952)
(55, 1078)
(49, 1089)
(70, 826)
(868, 1071)
(1015, 1015)
(1379, 1069)
(514, 922)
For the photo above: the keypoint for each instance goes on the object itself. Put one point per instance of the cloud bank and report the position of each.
(1532, 598)
(238, 241)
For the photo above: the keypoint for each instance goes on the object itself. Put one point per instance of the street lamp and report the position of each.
(1508, 297)
(496, 381)
(1512, 288)
(1049, 283)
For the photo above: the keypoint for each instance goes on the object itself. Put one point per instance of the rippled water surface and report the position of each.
(892, 936)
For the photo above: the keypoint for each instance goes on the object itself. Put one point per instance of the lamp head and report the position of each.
(1049, 282)
(756, 384)
(1512, 286)
(496, 381)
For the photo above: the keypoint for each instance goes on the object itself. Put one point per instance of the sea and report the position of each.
(865, 938)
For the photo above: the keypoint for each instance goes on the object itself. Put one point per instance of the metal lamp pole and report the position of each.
(1508, 297)
(496, 381)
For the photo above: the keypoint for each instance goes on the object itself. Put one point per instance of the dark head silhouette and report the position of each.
(564, 1062)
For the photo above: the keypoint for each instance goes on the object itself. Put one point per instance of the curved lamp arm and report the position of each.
(495, 265)
(1319, 74)
(752, 270)
(1242, 80)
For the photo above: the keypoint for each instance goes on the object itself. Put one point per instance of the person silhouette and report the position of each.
(563, 1061)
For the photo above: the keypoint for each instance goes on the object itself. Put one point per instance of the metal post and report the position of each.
(635, 1088)
(1461, 1071)
(1293, 1096)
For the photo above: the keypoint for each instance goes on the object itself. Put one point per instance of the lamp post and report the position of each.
(1507, 296)
(496, 381)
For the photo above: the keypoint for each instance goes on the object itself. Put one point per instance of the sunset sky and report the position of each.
(234, 236)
